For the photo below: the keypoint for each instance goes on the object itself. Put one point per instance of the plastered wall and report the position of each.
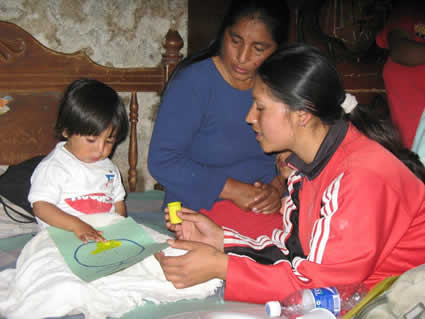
(119, 33)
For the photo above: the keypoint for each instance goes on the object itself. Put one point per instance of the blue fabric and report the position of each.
(201, 138)
(419, 142)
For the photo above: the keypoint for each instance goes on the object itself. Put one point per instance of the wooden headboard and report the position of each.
(33, 78)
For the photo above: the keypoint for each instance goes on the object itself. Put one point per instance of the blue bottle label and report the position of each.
(327, 298)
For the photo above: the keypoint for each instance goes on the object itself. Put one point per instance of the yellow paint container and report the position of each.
(173, 207)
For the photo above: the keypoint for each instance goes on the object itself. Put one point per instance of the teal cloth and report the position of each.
(16, 242)
(147, 195)
(193, 309)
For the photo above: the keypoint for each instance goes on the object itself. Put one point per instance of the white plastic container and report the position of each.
(335, 300)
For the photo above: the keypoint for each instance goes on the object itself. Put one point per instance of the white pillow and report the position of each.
(3, 169)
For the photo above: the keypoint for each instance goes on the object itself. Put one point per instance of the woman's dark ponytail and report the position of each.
(375, 122)
(305, 79)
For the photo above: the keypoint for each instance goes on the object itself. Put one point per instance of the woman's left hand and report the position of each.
(268, 201)
(201, 263)
(196, 227)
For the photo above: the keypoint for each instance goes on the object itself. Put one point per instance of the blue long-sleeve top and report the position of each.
(200, 138)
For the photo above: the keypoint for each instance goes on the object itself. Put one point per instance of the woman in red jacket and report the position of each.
(355, 211)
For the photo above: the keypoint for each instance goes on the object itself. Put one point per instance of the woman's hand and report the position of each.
(268, 201)
(196, 227)
(247, 196)
(201, 263)
(282, 166)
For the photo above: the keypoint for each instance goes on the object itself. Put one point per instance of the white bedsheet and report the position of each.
(42, 285)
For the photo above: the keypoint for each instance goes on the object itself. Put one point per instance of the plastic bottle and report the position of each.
(338, 300)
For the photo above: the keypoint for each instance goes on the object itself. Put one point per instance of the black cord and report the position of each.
(28, 219)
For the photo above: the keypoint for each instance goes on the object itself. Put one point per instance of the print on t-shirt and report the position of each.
(91, 203)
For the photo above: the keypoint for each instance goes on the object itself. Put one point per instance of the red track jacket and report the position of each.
(361, 219)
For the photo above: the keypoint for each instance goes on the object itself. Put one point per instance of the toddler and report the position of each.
(77, 177)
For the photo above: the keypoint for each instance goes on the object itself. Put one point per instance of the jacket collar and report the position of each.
(333, 139)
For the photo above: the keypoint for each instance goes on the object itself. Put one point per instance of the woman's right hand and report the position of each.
(264, 197)
(200, 263)
(197, 227)
(241, 194)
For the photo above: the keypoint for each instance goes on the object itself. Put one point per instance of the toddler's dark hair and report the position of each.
(89, 107)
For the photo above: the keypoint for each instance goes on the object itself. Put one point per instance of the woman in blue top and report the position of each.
(202, 151)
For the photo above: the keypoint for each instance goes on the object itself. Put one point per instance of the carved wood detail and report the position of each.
(173, 44)
(9, 49)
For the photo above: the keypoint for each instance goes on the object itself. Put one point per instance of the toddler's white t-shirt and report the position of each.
(76, 187)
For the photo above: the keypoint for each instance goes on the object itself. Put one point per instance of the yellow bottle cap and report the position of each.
(173, 207)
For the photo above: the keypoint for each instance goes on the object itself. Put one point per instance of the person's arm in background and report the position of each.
(400, 37)
(404, 50)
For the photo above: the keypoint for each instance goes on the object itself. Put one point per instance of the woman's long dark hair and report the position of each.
(375, 122)
(273, 13)
(305, 79)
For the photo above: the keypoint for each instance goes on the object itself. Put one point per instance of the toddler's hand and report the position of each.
(85, 232)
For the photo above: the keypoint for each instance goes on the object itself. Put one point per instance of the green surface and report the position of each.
(135, 245)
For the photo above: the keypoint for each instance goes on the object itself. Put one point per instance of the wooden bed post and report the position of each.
(173, 44)
(170, 59)
(132, 149)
